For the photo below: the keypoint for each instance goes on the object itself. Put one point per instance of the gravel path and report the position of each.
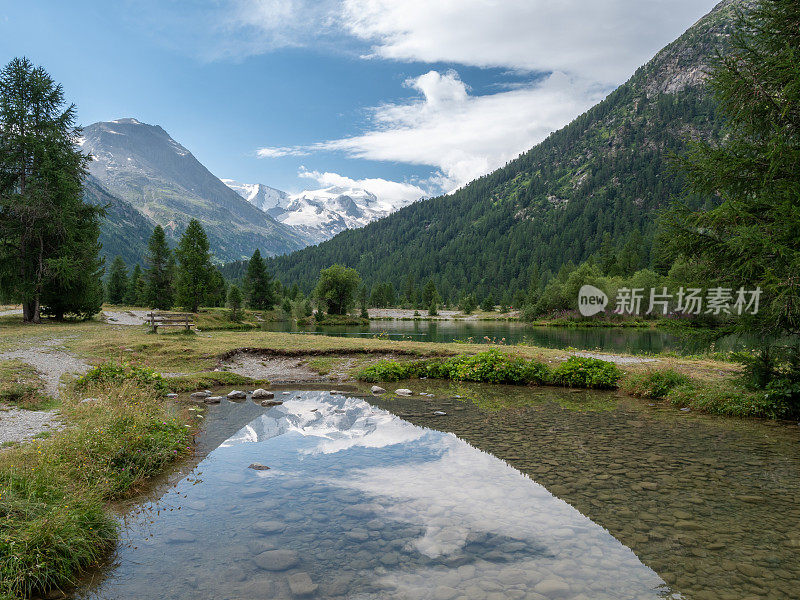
(18, 425)
(51, 363)
(125, 317)
(6, 313)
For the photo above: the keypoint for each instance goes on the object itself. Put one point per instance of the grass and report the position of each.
(201, 381)
(493, 366)
(53, 517)
(21, 385)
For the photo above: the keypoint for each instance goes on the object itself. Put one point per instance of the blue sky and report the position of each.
(401, 97)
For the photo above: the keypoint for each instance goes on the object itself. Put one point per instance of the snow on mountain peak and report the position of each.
(318, 214)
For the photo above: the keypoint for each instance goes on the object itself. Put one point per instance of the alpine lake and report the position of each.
(465, 491)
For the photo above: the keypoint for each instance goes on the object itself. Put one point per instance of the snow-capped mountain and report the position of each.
(317, 214)
(259, 195)
(144, 166)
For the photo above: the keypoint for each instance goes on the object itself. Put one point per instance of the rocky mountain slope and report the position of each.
(144, 166)
(319, 214)
(601, 178)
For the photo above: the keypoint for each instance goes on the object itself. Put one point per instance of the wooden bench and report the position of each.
(165, 319)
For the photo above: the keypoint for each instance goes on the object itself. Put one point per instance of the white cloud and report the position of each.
(465, 136)
(393, 194)
(279, 151)
(602, 40)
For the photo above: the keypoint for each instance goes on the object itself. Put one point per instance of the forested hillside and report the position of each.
(603, 178)
(124, 230)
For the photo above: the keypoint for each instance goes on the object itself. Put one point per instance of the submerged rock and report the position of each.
(277, 560)
(271, 402)
(301, 585)
(258, 467)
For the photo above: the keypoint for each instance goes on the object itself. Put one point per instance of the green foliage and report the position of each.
(468, 304)
(235, 302)
(136, 294)
(48, 235)
(336, 288)
(584, 372)
(201, 381)
(728, 398)
(258, 285)
(747, 236)
(488, 304)
(160, 271)
(117, 286)
(194, 266)
(491, 366)
(653, 384)
(109, 373)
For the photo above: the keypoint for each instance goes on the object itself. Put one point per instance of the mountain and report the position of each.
(599, 181)
(317, 215)
(124, 231)
(144, 166)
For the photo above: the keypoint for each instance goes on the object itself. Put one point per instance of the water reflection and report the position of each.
(635, 340)
(359, 503)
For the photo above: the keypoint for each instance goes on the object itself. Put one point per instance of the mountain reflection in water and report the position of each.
(359, 503)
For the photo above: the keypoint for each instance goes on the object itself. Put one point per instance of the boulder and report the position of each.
(200, 395)
(403, 392)
(236, 395)
(213, 400)
(277, 560)
(261, 394)
(376, 389)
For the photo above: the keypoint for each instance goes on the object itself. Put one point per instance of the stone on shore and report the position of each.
(262, 394)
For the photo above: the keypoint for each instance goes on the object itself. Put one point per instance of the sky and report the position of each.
(406, 98)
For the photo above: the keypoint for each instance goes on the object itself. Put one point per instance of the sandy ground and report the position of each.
(125, 317)
(277, 369)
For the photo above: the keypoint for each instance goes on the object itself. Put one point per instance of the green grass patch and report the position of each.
(112, 373)
(494, 366)
(655, 384)
(727, 397)
(53, 492)
(21, 385)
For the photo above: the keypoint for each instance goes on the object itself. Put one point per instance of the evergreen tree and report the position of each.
(235, 302)
(135, 294)
(160, 269)
(429, 294)
(750, 238)
(217, 291)
(468, 304)
(48, 235)
(488, 304)
(118, 284)
(194, 266)
(258, 284)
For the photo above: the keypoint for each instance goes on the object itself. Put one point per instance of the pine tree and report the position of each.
(48, 250)
(160, 269)
(429, 294)
(235, 302)
(217, 291)
(135, 294)
(258, 285)
(194, 266)
(750, 238)
(118, 284)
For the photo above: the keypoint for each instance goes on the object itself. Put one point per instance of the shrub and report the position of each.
(386, 370)
(109, 373)
(584, 372)
(727, 398)
(494, 366)
(653, 384)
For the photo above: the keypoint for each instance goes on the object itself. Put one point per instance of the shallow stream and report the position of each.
(513, 493)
